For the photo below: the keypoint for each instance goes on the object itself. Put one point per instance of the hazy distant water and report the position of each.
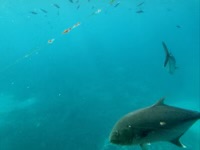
(68, 94)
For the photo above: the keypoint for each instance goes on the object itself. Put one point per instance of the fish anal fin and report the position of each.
(178, 143)
(144, 146)
(198, 115)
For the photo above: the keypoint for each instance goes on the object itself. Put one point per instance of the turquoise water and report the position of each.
(68, 93)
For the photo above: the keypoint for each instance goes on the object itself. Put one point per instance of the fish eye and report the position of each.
(116, 133)
(129, 126)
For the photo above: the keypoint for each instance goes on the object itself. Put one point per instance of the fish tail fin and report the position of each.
(178, 143)
(199, 116)
(167, 53)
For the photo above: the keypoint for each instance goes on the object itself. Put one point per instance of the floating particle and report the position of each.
(51, 41)
(76, 25)
(162, 123)
(67, 30)
(98, 11)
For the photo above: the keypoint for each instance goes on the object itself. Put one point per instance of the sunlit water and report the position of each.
(70, 69)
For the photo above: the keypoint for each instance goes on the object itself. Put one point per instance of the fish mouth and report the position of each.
(117, 141)
(113, 140)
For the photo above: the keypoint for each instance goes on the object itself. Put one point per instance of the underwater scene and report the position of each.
(72, 71)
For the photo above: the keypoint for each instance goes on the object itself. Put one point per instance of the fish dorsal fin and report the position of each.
(166, 49)
(160, 102)
(178, 143)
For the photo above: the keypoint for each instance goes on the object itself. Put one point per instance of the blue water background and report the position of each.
(68, 94)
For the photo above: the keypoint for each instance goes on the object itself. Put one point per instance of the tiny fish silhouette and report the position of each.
(56, 5)
(139, 11)
(33, 12)
(44, 11)
(170, 61)
(140, 4)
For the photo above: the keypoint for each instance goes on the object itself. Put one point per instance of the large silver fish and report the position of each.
(170, 61)
(159, 122)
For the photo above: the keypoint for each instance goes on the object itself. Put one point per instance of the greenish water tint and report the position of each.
(67, 93)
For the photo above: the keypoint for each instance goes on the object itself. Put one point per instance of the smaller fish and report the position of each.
(56, 5)
(117, 4)
(44, 11)
(178, 26)
(71, 1)
(140, 4)
(170, 61)
(33, 12)
(78, 7)
(139, 11)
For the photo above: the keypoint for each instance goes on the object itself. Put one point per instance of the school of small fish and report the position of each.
(112, 3)
(95, 11)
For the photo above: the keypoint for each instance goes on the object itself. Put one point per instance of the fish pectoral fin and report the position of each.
(144, 146)
(178, 143)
